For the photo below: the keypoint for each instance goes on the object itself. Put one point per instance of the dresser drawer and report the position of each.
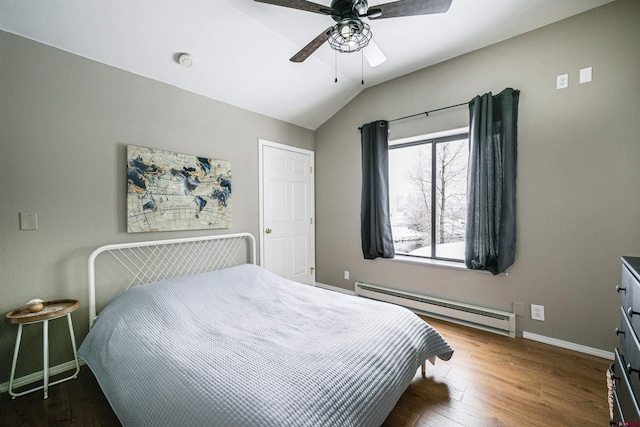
(629, 290)
(630, 350)
(626, 287)
(624, 393)
(617, 412)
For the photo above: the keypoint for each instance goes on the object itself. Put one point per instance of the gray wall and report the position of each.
(65, 122)
(578, 179)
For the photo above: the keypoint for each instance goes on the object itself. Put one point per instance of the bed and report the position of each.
(240, 346)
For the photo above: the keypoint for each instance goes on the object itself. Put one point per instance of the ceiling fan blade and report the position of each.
(408, 8)
(374, 54)
(300, 5)
(313, 45)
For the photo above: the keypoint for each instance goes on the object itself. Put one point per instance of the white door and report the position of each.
(287, 236)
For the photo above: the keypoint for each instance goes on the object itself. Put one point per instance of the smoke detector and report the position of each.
(185, 59)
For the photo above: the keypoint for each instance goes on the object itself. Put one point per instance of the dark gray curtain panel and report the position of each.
(491, 182)
(377, 240)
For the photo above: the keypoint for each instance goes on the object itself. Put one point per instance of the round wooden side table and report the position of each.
(52, 310)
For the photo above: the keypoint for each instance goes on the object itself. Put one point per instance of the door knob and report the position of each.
(268, 231)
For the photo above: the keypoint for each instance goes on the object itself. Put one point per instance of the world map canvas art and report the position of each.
(169, 191)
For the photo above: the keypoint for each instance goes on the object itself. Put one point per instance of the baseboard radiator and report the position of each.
(498, 321)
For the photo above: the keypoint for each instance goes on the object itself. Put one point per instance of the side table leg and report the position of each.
(15, 360)
(45, 354)
(73, 344)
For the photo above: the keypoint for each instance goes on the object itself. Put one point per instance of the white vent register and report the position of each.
(498, 321)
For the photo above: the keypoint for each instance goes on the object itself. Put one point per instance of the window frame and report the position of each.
(433, 139)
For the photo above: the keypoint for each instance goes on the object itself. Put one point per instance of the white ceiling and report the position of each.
(241, 48)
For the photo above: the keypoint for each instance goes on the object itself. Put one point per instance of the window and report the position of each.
(427, 195)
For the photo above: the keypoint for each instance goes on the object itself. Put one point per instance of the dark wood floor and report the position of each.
(490, 381)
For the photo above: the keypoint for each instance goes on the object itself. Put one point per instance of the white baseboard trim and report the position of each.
(569, 345)
(334, 288)
(38, 376)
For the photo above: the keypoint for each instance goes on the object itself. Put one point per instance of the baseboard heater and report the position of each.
(498, 321)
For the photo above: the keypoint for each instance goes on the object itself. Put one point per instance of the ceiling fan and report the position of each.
(350, 34)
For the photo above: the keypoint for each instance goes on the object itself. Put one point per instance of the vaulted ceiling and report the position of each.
(241, 48)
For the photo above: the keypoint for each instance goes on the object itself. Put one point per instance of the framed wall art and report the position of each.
(169, 191)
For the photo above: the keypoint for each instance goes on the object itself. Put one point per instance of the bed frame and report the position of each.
(120, 266)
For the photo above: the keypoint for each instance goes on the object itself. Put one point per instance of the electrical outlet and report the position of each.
(537, 312)
(562, 81)
(346, 275)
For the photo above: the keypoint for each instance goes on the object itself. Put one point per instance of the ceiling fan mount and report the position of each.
(350, 34)
(350, 9)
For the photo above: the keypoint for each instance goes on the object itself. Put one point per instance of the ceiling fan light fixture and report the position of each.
(349, 36)
(346, 31)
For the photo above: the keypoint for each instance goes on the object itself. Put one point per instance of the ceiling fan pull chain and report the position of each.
(362, 65)
(336, 65)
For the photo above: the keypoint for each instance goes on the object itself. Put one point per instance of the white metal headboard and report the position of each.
(138, 263)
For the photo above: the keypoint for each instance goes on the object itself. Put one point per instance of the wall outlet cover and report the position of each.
(562, 81)
(537, 312)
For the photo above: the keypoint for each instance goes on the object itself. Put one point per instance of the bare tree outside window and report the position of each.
(427, 182)
(418, 174)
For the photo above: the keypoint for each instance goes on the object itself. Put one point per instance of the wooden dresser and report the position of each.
(626, 368)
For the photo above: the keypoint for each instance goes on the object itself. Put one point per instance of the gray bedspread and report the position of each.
(244, 347)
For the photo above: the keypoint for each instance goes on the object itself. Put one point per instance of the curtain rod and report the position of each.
(427, 112)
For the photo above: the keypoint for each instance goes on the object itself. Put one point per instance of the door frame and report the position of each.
(264, 143)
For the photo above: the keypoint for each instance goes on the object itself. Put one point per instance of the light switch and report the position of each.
(586, 74)
(28, 220)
